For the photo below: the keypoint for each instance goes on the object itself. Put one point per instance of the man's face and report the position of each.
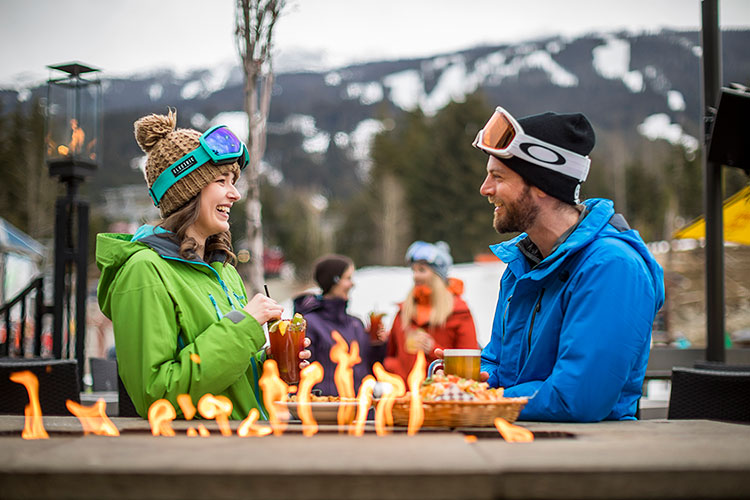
(515, 207)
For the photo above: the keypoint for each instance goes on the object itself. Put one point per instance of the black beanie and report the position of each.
(569, 131)
(328, 270)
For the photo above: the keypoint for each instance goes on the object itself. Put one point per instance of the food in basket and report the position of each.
(454, 388)
(450, 401)
(322, 399)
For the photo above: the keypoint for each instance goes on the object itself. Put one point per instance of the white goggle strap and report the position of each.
(550, 156)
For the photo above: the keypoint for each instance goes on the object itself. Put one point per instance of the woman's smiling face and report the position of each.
(216, 202)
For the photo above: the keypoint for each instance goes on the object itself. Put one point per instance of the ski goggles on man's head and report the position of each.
(218, 145)
(504, 137)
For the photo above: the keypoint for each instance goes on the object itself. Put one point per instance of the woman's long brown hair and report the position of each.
(179, 222)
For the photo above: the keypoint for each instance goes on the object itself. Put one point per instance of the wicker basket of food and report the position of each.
(449, 401)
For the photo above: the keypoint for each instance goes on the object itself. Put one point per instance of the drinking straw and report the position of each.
(266, 287)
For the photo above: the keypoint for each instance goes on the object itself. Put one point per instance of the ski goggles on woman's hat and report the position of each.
(437, 256)
(503, 137)
(218, 145)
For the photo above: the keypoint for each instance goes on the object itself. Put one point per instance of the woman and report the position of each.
(433, 316)
(181, 319)
(327, 312)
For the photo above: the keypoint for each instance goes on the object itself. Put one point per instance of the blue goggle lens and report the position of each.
(223, 142)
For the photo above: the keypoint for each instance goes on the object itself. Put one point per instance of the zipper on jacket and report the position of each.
(537, 308)
(239, 298)
(218, 278)
(505, 314)
(216, 306)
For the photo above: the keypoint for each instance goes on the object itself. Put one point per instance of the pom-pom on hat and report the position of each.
(571, 131)
(329, 269)
(437, 256)
(164, 144)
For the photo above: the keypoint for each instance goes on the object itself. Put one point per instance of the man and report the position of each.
(572, 326)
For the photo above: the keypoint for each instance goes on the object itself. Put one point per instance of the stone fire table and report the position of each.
(689, 459)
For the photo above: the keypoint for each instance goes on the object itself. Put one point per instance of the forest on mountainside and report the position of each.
(420, 178)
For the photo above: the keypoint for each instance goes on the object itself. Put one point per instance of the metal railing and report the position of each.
(15, 330)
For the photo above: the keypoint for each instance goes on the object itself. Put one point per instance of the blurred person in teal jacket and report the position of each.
(572, 326)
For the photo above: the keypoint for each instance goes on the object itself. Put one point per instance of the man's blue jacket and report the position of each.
(574, 331)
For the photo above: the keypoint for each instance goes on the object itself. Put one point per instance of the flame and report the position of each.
(346, 359)
(203, 431)
(33, 427)
(186, 405)
(249, 428)
(160, 413)
(415, 379)
(93, 418)
(513, 433)
(470, 438)
(343, 377)
(77, 136)
(218, 408)
(188, 411)
(364, 401)
(309, 376)
(76, 145)
(195, 358)
(274, 389)
(384, 410)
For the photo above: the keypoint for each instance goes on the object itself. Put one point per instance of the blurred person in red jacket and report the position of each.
(433, 316)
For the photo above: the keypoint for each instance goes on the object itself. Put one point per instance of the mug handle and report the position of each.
(438, 363)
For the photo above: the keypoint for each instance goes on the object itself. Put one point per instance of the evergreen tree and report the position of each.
(27, 192)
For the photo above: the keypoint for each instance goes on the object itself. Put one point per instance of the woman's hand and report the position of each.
(263, 308)
(424, 341)
(382, 333)
(305, 354)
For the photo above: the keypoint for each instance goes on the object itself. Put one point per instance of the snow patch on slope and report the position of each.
(612, 61)
(659, 126)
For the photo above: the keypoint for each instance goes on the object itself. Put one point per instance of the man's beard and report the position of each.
(519, 214)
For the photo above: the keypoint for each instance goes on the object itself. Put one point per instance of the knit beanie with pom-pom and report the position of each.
(164, 144)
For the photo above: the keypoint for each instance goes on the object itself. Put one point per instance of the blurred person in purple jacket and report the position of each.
(327, 312)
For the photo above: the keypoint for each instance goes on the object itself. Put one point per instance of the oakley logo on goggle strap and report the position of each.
(542, 153)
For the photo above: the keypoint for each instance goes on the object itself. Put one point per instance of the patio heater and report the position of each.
(73, 121)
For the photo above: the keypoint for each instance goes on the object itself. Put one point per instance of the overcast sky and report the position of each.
(122, 37)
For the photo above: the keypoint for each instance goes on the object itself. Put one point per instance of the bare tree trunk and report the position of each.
(254, 31)
(393, 225)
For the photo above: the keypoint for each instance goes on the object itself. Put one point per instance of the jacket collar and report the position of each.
(596, 215)
(164, 243)
(333, 309)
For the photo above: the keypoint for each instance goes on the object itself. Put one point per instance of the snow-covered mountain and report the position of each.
(321, 122)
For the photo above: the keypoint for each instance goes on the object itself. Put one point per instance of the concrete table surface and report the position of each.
(688, 459)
